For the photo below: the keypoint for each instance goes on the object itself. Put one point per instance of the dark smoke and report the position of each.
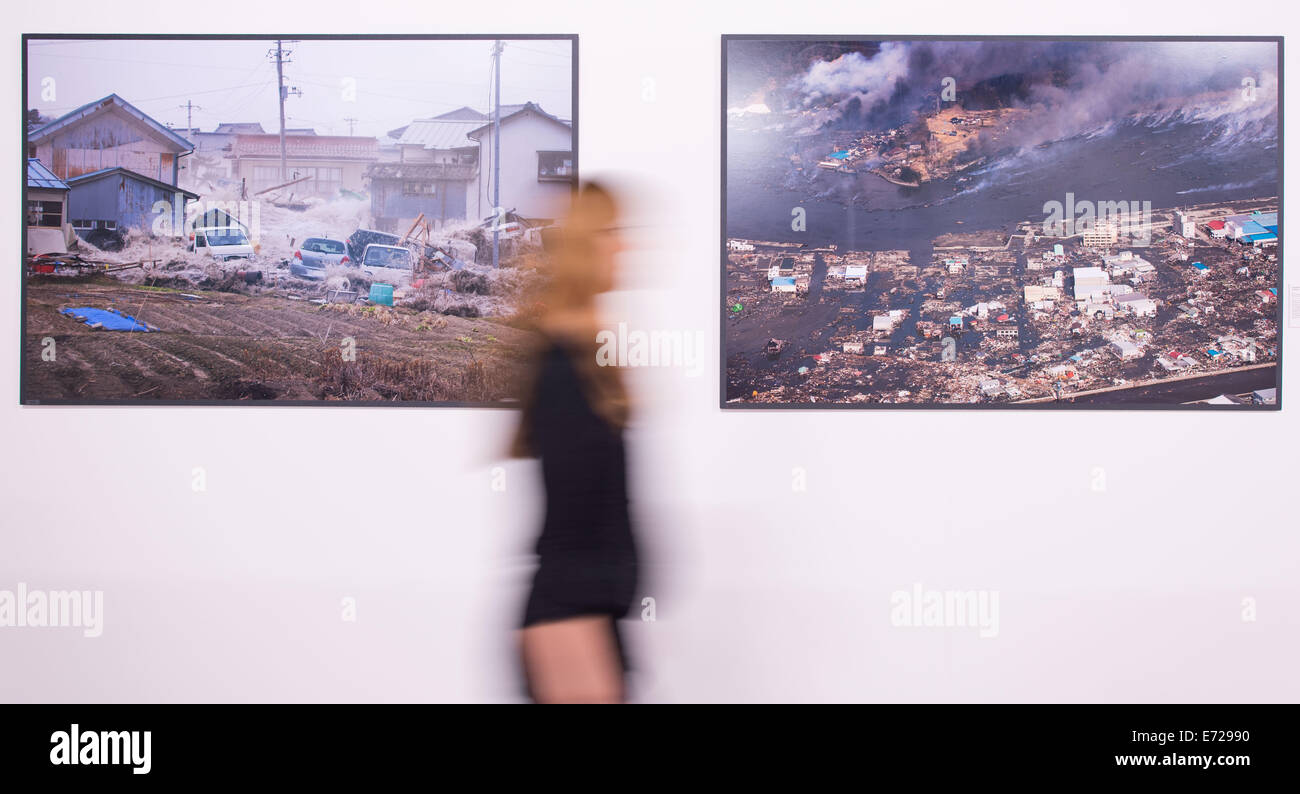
(1073, 87)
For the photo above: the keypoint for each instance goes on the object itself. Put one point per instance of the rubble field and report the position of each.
(1029, 319)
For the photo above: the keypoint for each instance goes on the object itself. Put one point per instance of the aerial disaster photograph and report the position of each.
(1001, 223)
(333, 220)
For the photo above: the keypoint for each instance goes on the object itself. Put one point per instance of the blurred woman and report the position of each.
(573, 417)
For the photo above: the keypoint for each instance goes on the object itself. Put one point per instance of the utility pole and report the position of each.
(190, 107)
(351, 124)
(279, 89)
(496, 157)
(281, 56)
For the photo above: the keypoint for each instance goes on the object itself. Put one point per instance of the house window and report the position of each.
(554, 166)
(325, 181)
(45, 213)
(265, 176)
(412, 188)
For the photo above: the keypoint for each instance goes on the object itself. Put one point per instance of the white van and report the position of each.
(223, 243)
(388, 264)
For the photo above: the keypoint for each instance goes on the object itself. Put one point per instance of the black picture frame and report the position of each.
(23, 378)
(726, 405)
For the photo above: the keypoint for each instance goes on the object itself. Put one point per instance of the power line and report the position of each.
(149, 63)
(568, 54)
(369, 78)
(542, 65)
(236, 105)
(160, 98)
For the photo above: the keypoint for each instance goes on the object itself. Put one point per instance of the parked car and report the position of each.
(388, 264)
(359, 239)
(223, 243)
(316, 254)
(508, 224)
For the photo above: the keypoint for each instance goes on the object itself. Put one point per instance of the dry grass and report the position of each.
(374, 377)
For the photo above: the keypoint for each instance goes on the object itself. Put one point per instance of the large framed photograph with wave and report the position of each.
(289, 220)
(1012, 222)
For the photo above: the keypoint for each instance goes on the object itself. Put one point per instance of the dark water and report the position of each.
(1170, 165)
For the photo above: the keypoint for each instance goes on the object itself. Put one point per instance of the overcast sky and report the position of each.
(234, 81)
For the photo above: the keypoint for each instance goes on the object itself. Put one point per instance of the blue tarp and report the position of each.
(840, 155)
(108, 319)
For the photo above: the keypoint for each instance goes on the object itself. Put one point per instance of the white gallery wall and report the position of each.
(1167, 569)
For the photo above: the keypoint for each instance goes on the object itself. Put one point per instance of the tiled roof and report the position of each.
(399, 171)
(307, 147)
(439, 133)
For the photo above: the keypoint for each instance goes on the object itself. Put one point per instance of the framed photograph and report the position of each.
(292, 220)
(1023, 222)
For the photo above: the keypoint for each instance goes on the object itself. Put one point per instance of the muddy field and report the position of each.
(213, 345)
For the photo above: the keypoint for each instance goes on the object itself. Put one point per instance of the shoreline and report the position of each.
(1017, 225)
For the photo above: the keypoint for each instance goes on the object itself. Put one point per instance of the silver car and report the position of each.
(316, 254)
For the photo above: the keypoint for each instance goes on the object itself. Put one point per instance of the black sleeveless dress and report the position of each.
(587, 557)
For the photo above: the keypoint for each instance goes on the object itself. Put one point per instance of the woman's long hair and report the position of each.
(577, 272)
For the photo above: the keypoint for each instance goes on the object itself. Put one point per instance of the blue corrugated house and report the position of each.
(117, 162)
(118, 199)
